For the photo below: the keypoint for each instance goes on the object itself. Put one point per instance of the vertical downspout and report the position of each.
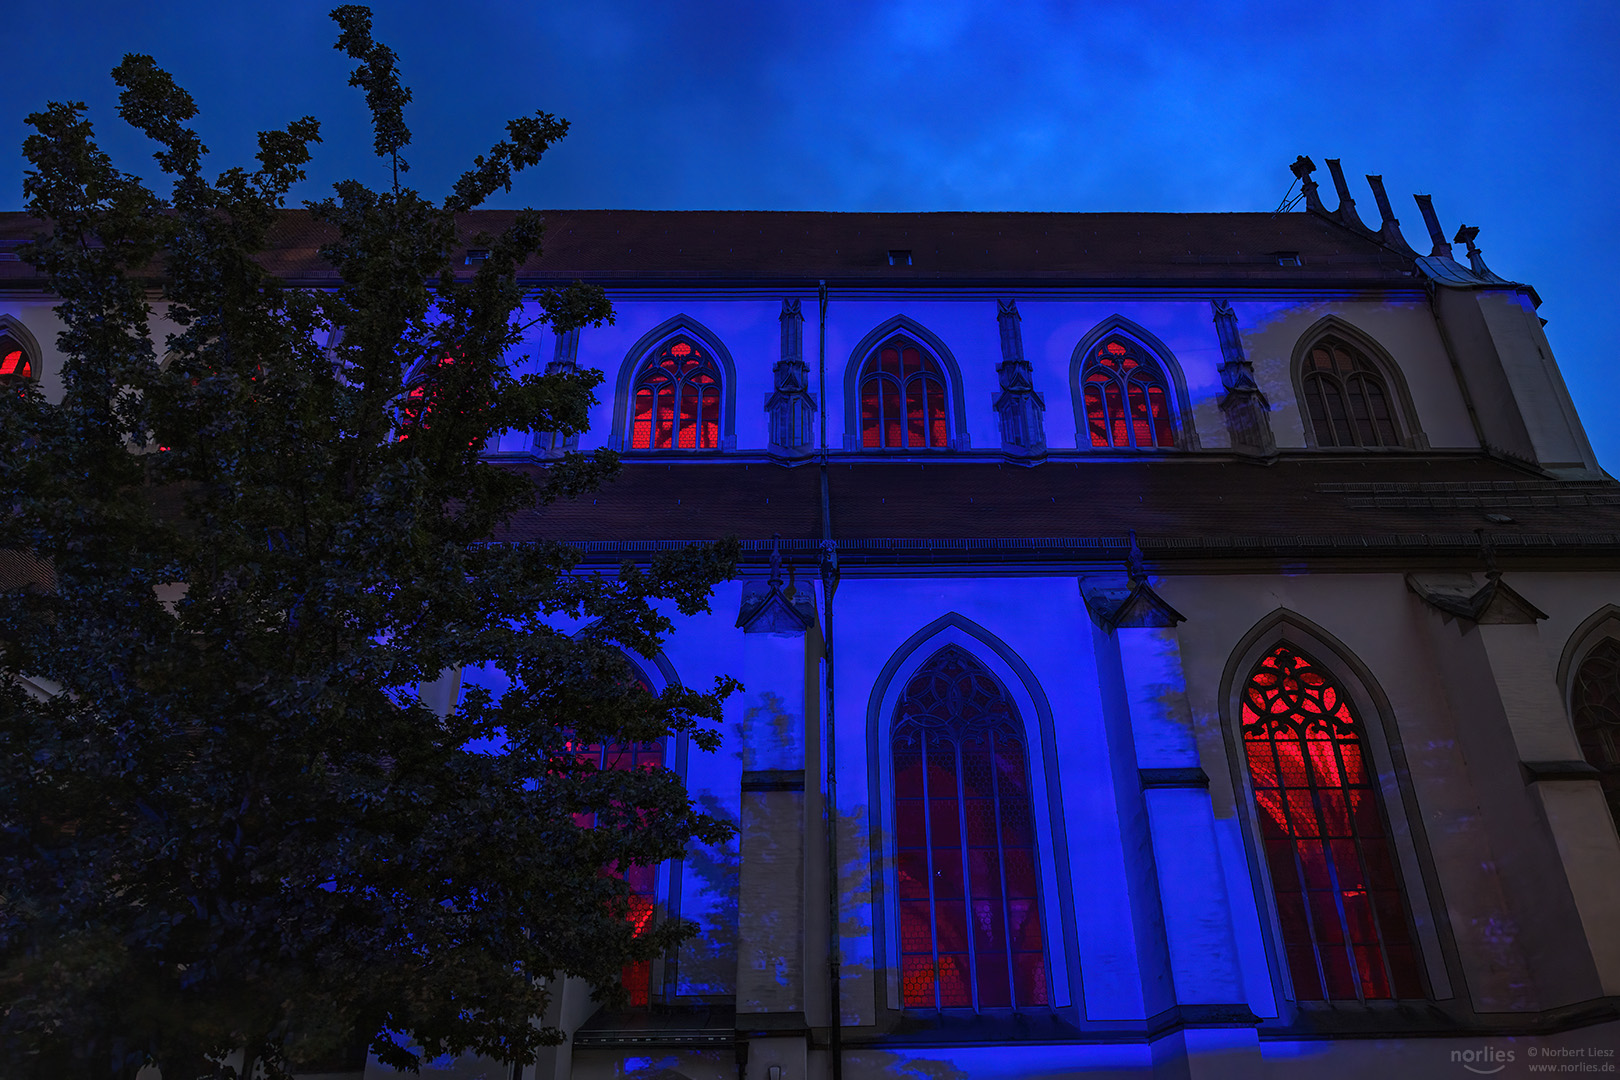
(829, 805)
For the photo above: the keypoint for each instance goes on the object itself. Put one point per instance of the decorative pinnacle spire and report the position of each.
(1133, 563)
(1390, 226)
(776, 561)
(1426, 208)
(1347, 205)
(1489, 551)
(1302, 169)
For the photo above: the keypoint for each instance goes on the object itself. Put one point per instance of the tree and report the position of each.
(228, 822)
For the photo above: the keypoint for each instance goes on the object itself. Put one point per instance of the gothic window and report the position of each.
(1596, 710)
(421, 399)
(1346, 397)
(1345, 932)
(643, 880)
(15, 366)
(676, 399)
(970, 920)
(903, 397)
(1127, 402)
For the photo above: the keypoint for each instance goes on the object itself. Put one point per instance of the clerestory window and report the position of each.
(1346, 935)
(1126, 397)
(15, 364)
(676, 399)
(903, 398)
(1346, 397)
(970, 917)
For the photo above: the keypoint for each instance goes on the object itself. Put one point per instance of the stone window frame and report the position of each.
(1181, 412)
(12, 327)
(1438, 966)
(1056, 891)
(955, 402)
(630, 368)
(1403, 408)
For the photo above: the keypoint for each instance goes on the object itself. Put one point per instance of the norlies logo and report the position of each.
(1485, 1061)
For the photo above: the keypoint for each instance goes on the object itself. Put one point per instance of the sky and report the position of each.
(1505, 112)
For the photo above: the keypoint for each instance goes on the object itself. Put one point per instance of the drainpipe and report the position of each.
(829, 804)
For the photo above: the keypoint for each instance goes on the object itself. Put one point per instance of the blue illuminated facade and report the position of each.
(1006, 619)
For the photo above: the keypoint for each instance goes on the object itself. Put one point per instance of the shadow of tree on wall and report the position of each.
(707, 963)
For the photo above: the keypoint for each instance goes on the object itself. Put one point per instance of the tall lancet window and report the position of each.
(643, 880)
(1346, 397)
(903, 397)
(1127, 401)
(970, 921)
(1597, 717)
(1344, 923)
(676, 403)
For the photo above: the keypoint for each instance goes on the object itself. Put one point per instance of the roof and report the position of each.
(1179, 506)
(776, 246)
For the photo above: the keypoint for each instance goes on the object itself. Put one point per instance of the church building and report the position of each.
(1174, 645)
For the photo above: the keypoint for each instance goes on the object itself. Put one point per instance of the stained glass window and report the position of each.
(676, 401)
(970, 919)
(903, 397)
(421, 399)
(643, 880)
(1345, 931)
(14, 363)
(1597, 717)
(1346, 398)
(1127, 403)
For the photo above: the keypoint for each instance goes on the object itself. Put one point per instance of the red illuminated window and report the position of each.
(1596, 712)
(970, 920)
(1344, 925)
(643, 880)
(421, 400)
(903, 397)
(1127, 402)
(14, 363)
(676, 401)
(1346, 398)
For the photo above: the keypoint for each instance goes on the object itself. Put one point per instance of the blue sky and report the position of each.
(1506, 113)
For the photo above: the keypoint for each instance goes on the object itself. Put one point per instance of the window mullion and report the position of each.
(1001, 868)
(967, 871)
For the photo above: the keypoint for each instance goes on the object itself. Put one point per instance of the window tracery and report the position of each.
(676, 400)
(1346, 397)
(1596, 712)
(1345, 933)
(970, 920)
(15, 365)
(636, 977)
(903, 397)
(1127, 400)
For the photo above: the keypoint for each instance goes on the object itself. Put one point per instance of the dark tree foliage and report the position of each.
(227, 822)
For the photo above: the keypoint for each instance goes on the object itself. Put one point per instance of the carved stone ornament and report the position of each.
(790, 406)
(565, 357)
(775, 607)
(1133, 606)
(1243, 404)
(1019, 407)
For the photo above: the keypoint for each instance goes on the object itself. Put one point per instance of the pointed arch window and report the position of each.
(676, 400)
(970, 919)
(1127, 398)
(903, 398)
(1596, 712)
(1345, 931)
(16, 366)
(1346, 397)
(643, 880)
